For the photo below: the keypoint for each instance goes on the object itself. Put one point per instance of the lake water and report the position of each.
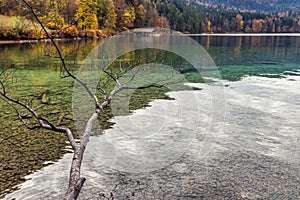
(252, 153)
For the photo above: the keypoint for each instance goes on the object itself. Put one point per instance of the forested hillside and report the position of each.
(72, 16)
(198, 18)
(97, 18)
(256, 5)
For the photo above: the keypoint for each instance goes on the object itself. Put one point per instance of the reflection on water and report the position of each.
(41, 55)
(249, 50)
(249, 41)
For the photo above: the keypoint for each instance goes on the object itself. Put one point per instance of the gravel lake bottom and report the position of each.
(194, 150)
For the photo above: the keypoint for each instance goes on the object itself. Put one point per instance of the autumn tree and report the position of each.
(70, 11)
(125, 15)
(140, 14)
(151, 15)
(164, 22)
(54, 20)
(240, 22)
(106, 15)
(87, 14)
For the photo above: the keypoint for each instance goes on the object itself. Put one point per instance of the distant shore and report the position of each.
(245, 34)
(27, 41)
(200, 34)
(35, 41)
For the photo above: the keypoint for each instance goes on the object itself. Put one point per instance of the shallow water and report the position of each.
(253, 154)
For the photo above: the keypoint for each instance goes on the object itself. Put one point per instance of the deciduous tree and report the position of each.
(106, 15)
(87, 14)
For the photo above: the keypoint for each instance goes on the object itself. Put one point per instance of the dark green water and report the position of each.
(253, 55)
(34, 72)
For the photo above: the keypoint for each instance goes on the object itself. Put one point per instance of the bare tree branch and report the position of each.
(21, 117)
(115, 77)
(3, 88)
(41, 121)
(60, 54)
(75, 180)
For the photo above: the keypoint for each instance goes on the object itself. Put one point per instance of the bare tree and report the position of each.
(76, 181)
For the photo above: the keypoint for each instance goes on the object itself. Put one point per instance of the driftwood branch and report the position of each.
(114, 76)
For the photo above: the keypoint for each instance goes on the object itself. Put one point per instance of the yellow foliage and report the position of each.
(19, 28)
(53, 21)
(53, 26)
(34, 33)
(90, 21)
(70, 31)
(100, 33)
(91, 33)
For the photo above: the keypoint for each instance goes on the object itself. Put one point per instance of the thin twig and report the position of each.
(43, 122)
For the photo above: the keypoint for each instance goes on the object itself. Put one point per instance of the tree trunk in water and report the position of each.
(76, 182)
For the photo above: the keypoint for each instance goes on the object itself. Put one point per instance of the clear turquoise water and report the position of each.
(275, 57)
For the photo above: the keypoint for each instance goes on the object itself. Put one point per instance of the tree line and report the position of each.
(77, 17)
(256, 5)
(195, 18)
(97, 18)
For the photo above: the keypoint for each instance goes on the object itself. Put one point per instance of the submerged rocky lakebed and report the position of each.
(254, 156)
(175, 148)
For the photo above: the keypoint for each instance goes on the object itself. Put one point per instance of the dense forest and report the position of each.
(270, 6)
(98, 18)
(193, 17)
(72, 18)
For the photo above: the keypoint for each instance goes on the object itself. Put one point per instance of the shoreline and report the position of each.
(35, 41)
(244, 34)
(44, 40)
(200, 34)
